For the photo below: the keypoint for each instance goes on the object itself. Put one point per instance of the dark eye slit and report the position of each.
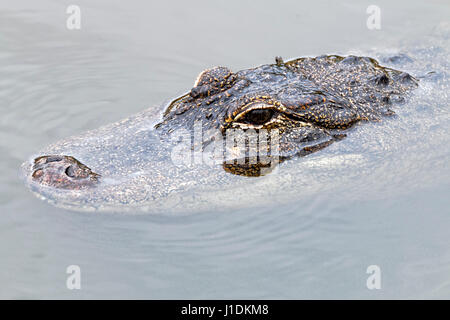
(258, 116)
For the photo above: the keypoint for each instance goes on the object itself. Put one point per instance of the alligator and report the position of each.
(245, 122)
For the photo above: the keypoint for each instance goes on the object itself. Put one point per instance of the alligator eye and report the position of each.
(258, 116)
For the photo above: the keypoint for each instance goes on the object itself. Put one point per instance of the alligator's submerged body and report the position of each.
(240, 123)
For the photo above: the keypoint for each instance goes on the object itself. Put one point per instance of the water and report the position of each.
(380, 197)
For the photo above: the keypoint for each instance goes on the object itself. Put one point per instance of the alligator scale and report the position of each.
(300, 106)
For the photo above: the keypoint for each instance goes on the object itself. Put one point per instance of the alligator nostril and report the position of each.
(70, 171)
(54, 159)
(38, 173)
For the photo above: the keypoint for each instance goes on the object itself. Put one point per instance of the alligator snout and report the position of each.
(64, 172)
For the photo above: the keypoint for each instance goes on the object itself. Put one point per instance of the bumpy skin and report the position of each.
(63, 171)
(312, 102)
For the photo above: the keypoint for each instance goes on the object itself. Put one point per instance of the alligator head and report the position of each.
(249, 120)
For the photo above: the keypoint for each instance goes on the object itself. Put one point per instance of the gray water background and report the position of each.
(391, 207)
